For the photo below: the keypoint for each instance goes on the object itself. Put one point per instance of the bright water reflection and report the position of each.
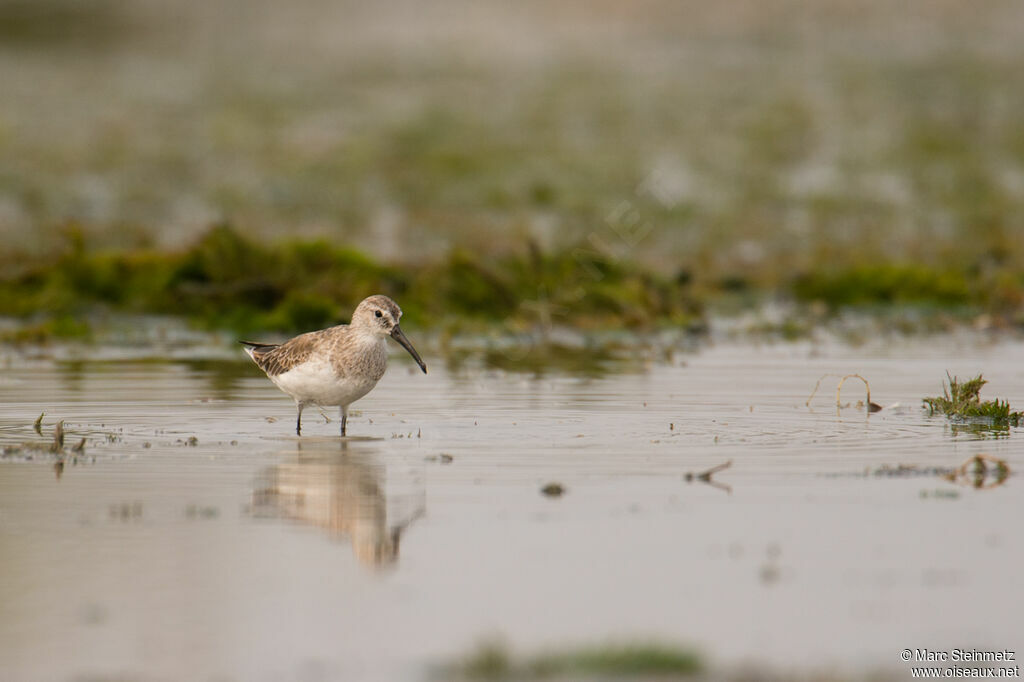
(340, 486)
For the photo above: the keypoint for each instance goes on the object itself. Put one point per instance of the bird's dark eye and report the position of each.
(378, 313)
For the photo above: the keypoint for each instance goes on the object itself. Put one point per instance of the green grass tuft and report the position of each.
(617, 660)
(962, 400)
(492, 661)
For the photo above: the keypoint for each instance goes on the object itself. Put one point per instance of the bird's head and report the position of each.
(379, 315)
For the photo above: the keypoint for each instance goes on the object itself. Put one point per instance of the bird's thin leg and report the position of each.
(344, 418)
(298, 420)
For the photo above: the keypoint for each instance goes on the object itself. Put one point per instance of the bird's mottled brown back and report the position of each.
(292, 353)
(338, 344)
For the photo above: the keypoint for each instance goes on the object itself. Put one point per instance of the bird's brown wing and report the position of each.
(276, 360)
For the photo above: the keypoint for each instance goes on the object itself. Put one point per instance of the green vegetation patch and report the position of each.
(226, 281)
(961, 400)
(614, 661)
(884, 283)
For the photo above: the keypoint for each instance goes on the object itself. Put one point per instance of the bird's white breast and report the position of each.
(316, 381)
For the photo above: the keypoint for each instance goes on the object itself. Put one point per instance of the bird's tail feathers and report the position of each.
(254, 347)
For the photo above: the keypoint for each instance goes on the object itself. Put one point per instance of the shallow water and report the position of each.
(253, 555)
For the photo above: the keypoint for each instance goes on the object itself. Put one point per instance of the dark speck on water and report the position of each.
(553, 490)
(443, 458)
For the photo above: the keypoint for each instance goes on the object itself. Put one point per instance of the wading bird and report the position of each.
(338, 365)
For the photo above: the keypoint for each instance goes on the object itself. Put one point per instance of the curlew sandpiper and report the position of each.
(338, 365)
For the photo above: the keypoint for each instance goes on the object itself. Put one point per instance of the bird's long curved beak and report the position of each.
(399, 336)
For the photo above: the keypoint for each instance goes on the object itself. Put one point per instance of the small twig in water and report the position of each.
(871, 407)
(58, 437)
(38, 426)
(816, 387)
(705, 476)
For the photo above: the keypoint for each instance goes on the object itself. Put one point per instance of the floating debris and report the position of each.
(58, 437)
(194, 511)
(53, 449)
(871, 406)
(961, 400)
(908, 471)
(769, 574)
(443, 458)
(981, 471)
(38, 425)
(706, 476)
(553, 490)
(940, 494)
(125, 511)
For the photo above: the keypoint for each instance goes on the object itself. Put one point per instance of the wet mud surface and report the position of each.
(192, 536)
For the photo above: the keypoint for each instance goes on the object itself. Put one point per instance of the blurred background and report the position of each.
(527, 179)
(849, 152)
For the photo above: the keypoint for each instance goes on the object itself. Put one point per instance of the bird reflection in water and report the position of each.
(343, 490)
